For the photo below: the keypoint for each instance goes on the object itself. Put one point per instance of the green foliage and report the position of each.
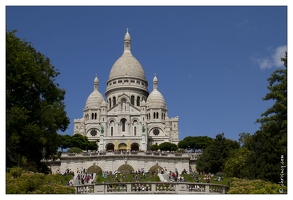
(74, 150)
(36, 183)
(35, 110)
(242, 186)
(214, 156)
(197, 142)
(154, 169)
(236, 165)
(94, 169)
(77, 140)
(269, 144)
(154, 147)
(64, 141)
(128, 178)
(168, 146)
(15, 172)
(125, 169)
(92, 146)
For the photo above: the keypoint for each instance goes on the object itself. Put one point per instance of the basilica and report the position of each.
(129, 118)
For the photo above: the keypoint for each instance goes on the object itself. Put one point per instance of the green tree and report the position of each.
(78, 140)
(269, 144)
(35, 110)
(154, 147)
(167, 146)
(64, 141)
(195, 142)
(92, 145)
(214, 156)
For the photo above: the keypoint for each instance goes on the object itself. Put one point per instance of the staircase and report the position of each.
(163, 177)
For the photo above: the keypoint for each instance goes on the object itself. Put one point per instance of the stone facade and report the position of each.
(111, 161)
(129, 118)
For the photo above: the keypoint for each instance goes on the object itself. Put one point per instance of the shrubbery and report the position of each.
(24, 182)
(242, 186)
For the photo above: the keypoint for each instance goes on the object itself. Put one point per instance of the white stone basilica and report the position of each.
(131, 118)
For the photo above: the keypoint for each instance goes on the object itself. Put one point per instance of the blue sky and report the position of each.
(212, 62)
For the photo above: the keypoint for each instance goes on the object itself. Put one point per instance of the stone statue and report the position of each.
(143, 128)
(102, 129)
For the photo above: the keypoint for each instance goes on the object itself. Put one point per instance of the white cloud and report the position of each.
(265, 63)
(274, 60)
(279, 53)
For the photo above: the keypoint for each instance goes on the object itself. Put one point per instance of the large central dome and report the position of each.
(127, 65)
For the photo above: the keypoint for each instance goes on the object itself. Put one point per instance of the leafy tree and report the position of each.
(168, 146)
(78, 140)
(154, 147)
(269, 144)
(214, 156)
(197, 142)
(74, 150)
(35, 110)
(235, 166)
(92, 145)
(64, 141)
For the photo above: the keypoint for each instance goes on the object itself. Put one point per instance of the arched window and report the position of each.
(112, 127)
(110, 103)
(132, 100)
(114, 101)
(123, 122)
(162, 116)
(138, 101)
(154, 115)
(157, 115)
(95, 115)
(123, 104)
(134, 131)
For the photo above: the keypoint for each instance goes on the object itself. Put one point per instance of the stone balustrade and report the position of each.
(141, 153)
(151, 188)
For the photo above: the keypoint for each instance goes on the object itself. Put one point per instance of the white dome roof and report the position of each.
(155, 99)
(95, 99)
(127, 64)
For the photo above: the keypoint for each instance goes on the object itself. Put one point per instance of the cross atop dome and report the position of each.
(127, 41)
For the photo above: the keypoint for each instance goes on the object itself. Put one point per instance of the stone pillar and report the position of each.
(128, 188)
(153, 187)
(207, 188)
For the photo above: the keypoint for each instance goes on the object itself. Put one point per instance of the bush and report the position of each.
(125, 169)
(74, 150)
(242, 186)
(155, 168)
(36, 183)
(15, 172)
(94, 169)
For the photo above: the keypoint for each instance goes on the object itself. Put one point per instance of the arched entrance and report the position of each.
(122, 147)
(134, 147)
(110, 147)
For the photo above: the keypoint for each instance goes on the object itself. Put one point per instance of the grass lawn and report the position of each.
(224, 181)
(151, 178)
(127, 178)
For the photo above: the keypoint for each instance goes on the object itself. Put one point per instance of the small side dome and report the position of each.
(95, 99)
(155, 99)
